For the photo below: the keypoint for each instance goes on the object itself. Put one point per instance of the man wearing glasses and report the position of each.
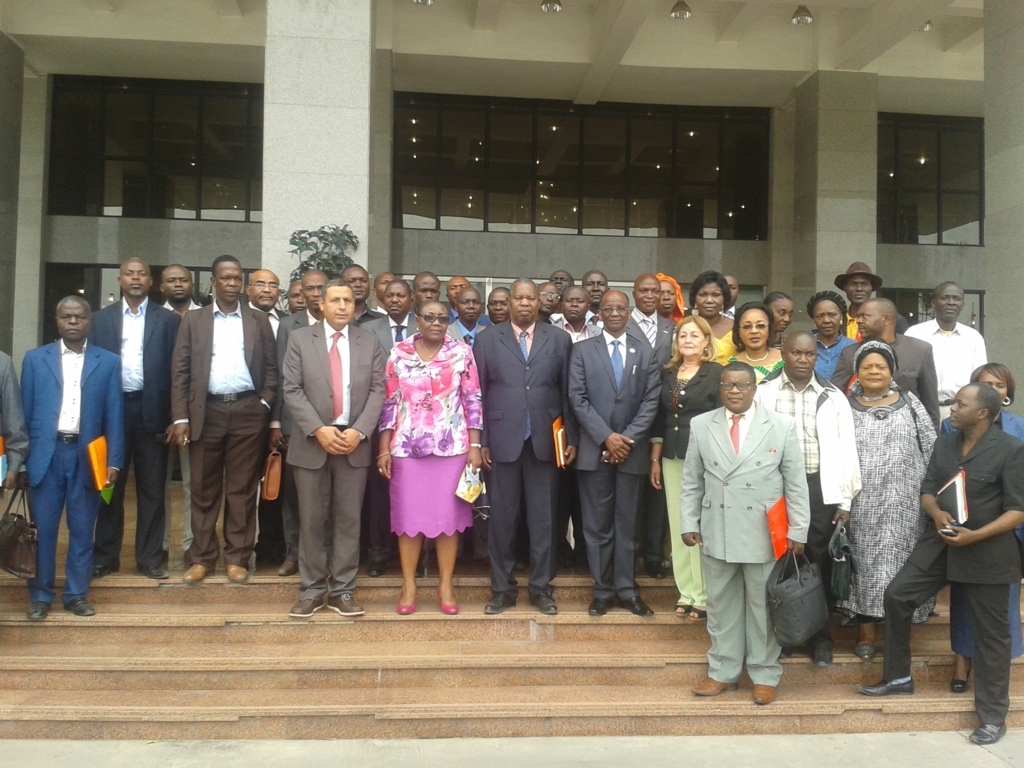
(741, 460)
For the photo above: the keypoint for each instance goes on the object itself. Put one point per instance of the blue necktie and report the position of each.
(617, 364)
(522, 348)
(398, 332)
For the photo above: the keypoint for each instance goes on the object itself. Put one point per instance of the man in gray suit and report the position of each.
(741, 460)
(12, 424)
(523, 365)
(334, 389)
(398, 323)
(466, 325)
(614, 384)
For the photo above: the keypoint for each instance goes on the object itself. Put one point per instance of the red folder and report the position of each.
(778, 526)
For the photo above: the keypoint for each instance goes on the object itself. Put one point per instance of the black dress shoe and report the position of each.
(887, 689)
(80, 607)
(599, 606)
(958, 686)
(38, 610)
(544, 604)
(498, 604)
(786, 652)
(99, 571)
(376, 568)
(157, 573)
(988, 734)
(636, 606)
(822, 656)
(656, 570)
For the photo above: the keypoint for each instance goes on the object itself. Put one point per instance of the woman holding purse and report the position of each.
(429, 432)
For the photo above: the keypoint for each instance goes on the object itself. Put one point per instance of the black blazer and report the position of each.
(510, 385)
(995, 484)
(701, 395)
(157, 347)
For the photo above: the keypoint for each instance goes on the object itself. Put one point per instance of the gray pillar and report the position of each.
(836, 157)
(1004, 180)
(382, 107)
(12, 73)
(780, 217)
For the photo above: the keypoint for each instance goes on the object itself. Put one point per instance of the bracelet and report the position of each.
(386, 453)
(475, 445)
(655, 461)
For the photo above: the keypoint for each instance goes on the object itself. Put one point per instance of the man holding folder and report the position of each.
(741, 461)
(71, 392)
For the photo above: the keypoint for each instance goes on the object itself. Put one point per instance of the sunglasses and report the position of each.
(431, 319)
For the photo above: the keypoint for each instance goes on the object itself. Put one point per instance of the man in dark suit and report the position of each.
(523, 366)
(647, 324)
(358, 280)
(142, 333)
(398, 324)
(614, 383)
(71, 392)
(333, 377)
(223, 385)
(915, 361)
(982, 554)
(12, 424)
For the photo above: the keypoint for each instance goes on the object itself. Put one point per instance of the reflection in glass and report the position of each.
(174, 190)
(511, 144)
(650, 151)
(918, 160)
(462, 204)
(509, 205)
(558, 146)
(649, 207)
(961, 219)
(604, 209)
(745, 154)
(557, 207)
(886, 157)
(256, 200)
(696, 213)
(125, 188)
(742, 216)
(961, 160)
(76, 122)
(223, 193)
(604, 149)
(917, 218)
(697, 151)
(415, 140)
(76, 187)
(462, 143)
(126, 124)
(225, 130)
(886, 216)
(175, 126)
(417, 203)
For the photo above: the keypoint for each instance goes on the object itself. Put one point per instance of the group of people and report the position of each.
(592, 419)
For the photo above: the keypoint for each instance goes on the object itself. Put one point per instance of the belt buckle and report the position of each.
(230, 397)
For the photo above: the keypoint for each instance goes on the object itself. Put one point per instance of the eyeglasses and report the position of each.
(615, 310)
(546, 295)
(260, 285)
(431, 319)
(728, 386)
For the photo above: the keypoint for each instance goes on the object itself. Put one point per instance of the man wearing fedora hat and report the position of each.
(858, 282)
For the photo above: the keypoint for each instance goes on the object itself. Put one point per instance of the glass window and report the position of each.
(462, 204)
(917, 218)
(886, 157)
(745, 154)
(650, 151)
(742, 216)
(649, 208)
(961, 219)
(77, 122)
(127, 125)
(174, 190)
(697, 151)
(76, 187)
(604, 208)
(225, 130)
(509, 205)
(415, 140)
(604, 149)
(416, 197)
(558, 146)
(223, 193)
(557, 207)
(918, 159)
(126, 188)
(511, 144)
(175, 126)
(462, 143)
(961, 160)
(256, 199)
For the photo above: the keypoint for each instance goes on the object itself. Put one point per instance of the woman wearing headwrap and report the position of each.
(672, 305)
(827, 310)
(894, 436)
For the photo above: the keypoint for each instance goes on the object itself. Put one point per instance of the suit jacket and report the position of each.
(157, 348)
(726, 496)
(601, 410)
(288, 324)
(915, 372)
(662, 342)
(995, 484)
(12, 420)
(193, 353)
(381, 328)
(672, 423)
(453, 332)
(306, 377)
(102, 407)
(511, 385)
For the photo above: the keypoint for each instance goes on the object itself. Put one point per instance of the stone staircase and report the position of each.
(221, 661)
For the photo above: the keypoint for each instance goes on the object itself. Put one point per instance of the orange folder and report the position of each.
(98, 461)
(778, 526)
(561, 442)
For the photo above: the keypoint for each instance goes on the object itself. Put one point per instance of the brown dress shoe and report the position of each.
(237, 574)
(764, 694)
(289, 568)
(711, 687)
(195, 574)
(346, 605)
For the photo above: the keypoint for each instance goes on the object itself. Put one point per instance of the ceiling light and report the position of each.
(927, 26)
(802, 15)
(551, 6)
(422, 2)
(680, 11)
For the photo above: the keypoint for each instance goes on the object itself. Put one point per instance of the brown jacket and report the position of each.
(193, 352)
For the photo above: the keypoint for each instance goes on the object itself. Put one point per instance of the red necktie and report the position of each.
(337, 379)
(734, 432)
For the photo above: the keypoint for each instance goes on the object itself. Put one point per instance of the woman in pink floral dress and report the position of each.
(429, 432)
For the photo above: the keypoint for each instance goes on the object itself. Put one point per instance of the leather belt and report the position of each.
(232, 396)
(134, 395)
(67, 437)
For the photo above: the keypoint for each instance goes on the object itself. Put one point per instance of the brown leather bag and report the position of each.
(271, 477)
(19, 537)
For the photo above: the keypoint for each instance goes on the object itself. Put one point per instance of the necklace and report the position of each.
(867, 399)
(759, 359)
(432, 353)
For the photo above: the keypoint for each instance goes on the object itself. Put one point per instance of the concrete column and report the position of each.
(382, 107)
(12, 67)
(1004, 180)
(316, 145)
(780, 216)
(836, 157)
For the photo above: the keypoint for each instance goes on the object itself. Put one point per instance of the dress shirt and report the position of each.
(609, 343)
(730, 313)
(346, 370)
(957, 353)
(828, 355)
(71, 365)
(191, 305)
(228, 372)
(802, 408)
(648, 324)
(133, 330)
(594, 319)
(463, 332)
(310, 319)
(585, 333)
(529, 335)
(746, 419)
(407, 326)
(273, 316)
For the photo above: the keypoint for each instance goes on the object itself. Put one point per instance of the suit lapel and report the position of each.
(540, 338)
(202, 351)
(92, 359)
(148, 328)
(250, 330)
(757, 432)
(53, 359)
(509, 339)
(601, 350)
(720, 432)
(320, 349)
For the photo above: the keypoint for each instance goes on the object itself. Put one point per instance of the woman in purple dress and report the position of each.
(429, 431)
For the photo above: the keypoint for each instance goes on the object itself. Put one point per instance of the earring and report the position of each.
(1007, 401)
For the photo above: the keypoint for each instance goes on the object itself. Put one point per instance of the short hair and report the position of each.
(224, 259)
(137, 260)
(501, 290)
(335, 282)
(791, 337)
(73, 298)
(703, 279)
(739, 365)
(938, 288)
(312, 272)
(523, 281)
(424, 274)
(885, 305)
(988, 398)
(566, 273)
(402, 283)
(595, 272)
(467, 289)
(710, 352)
(428, 302)
(568, 288)
(775, 297)
(1000, 371)
(749, 306)
(360, 267)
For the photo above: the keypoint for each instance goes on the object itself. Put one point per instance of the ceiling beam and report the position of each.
(737, 23)
(228, 7)
(486, 18)
(888, 24)
(623, 21)
(962, 35)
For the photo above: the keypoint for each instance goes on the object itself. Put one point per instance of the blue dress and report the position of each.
(961, 636)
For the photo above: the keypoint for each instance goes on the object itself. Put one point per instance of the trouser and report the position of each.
(686, 565)
(149, 453)
(67, 483)
(377, 514)
(650, 524)
(569, 510)
(818, 536)
(988, 604)
(537, 481)
(738, 622)
(181, 455)
(278, 529)
(227, 456)
(609, 498)
(330, 501)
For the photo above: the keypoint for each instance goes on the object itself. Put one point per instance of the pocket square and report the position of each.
(772, 450)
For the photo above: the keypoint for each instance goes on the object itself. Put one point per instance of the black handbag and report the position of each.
(843, 563)
(19, 537)
(796, 600)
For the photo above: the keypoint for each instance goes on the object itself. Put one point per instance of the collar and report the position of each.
(272, 311)
(218, 311)
(404, 323)
(640, 317)
(609, 339)
(745, 416)
(518, 331)
(329, 331)
(812, 385)
(64, 350)
(464, 331)
(125, 309)
(937, 329)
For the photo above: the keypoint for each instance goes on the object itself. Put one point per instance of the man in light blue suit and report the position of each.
(71, 395)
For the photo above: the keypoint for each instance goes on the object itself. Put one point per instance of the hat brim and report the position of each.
(840, 281)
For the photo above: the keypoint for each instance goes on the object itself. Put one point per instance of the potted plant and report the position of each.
(326, 249)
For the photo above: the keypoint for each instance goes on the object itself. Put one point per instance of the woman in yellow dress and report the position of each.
(708, 294)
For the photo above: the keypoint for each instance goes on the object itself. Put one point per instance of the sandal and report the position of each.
(683, 609)
(699, 614)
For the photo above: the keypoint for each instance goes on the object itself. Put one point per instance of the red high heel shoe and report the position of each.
(447, 610)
